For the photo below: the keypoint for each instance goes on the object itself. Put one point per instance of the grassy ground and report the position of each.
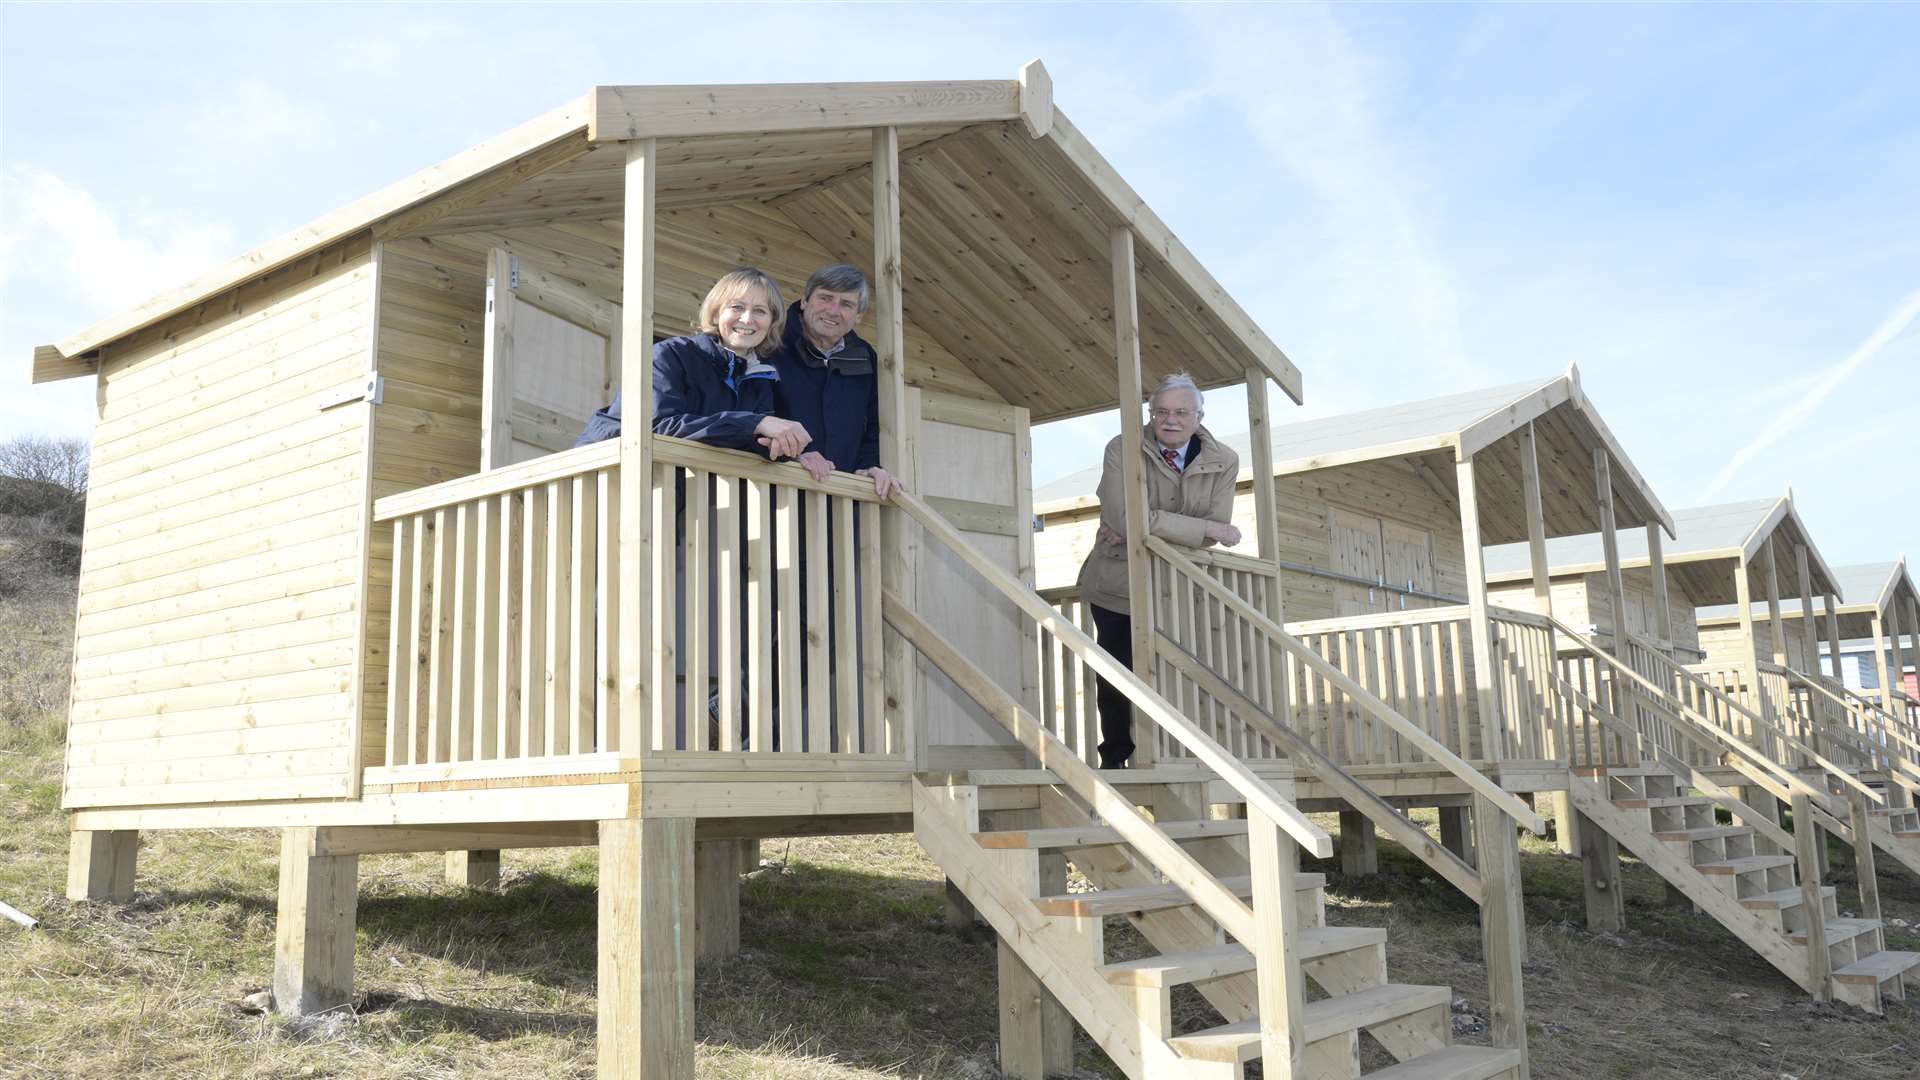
(847, 970)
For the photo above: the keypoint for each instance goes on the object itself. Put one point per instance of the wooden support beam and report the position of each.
(1493, 732)
(1600, 867)
(899, 416)
(1126, 349)
(1657, 568)
(496, 364)
(1266, 509)
(1280, 976)
(1809, 640)
(1359, 846)
(1610, 544)
(1456, 833)
(1776, 633)
(477, 868)
(1750, 649)
(646, 949)
(638, 660)
(1863, 857)
(313, 934)
(636, 112)
(1833, 638)
(961, 915)
(1806, 839)
(100, 864)
(1036, 1031)
(1897, 627)
(1536, 522)
(1503, 926)
(716, 896)
(1566, 829)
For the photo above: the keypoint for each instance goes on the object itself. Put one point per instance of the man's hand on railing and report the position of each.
(1221, 532)
(817, 465)
(884, 485)
(782, 438)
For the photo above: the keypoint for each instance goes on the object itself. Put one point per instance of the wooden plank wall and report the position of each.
(219, 601)
(1393, 492)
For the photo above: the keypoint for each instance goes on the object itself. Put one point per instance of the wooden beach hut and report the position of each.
(344, 578)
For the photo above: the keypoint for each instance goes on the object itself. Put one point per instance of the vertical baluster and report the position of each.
(512, 614)
(760, 627)
(1089, 696)
(792, 646)
(697, 604)
(559, 568)
(665, 661)
(1070, 687)
(400, 638)
(876, 739)
(726, 608)
(817, 625)
(1420, 634)
(533, 621)
(606, 652)
(465, 621)
(440, 665)
(580, 600)
(1049, 693)
(846, 630)
(486, 629)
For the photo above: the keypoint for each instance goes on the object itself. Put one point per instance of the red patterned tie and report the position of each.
(1171, 457)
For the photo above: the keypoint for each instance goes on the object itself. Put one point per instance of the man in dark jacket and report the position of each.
(827, 377)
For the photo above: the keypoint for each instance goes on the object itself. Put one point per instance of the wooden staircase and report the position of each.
(1015, 880)
(1744, 880)
(1222, 902)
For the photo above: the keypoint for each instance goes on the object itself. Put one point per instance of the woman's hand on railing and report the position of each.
(784, 439)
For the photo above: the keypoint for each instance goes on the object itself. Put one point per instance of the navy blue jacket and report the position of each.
(701, 392)
(837, 399)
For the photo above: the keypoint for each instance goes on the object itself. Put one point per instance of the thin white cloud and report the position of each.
(1789, 420)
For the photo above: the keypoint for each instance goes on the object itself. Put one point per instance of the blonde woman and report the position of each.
(715, 385)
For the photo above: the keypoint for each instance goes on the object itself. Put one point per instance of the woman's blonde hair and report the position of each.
(737, 283)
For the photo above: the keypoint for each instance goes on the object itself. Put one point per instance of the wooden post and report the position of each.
(1896, 626)
(1750, 653)
(1809, 640)
(1657, 568)
(1600, 866)
(1267, 528)
(1036, 1031)
(897, 419)
(1279, 975)
(1456, 833)
(716, 898)
(961, 915)
(1503, 927)
(1359, 847)
(1805, 840)
(1480, 627)
(646, 949)
(100, 864)
(1536, 523)
(1610, 544)
(313, 936)
(1863, 853)
(1126, 351)
(1833, 637)
(1775, 631)
(496, 400)
(478, 869)
(638, 660)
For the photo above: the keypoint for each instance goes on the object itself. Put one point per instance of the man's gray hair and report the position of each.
(1179, 380)
(842, 278)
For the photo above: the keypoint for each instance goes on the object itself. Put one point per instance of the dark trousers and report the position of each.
(1114, 631)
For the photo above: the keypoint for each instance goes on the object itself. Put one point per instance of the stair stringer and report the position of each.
(1591, 800)
(1001, 886)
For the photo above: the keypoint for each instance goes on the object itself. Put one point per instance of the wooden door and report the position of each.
(552, 358)
(1407, 561)
(973, 464)
(1356, 553)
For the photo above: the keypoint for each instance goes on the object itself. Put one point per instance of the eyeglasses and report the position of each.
(1177, 414)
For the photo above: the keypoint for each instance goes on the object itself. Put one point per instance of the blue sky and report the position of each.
(1713, 210)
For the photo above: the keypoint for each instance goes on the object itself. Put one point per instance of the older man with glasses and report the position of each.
(1190, 487)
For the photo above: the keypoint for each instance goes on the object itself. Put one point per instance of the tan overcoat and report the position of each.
(1179, 507)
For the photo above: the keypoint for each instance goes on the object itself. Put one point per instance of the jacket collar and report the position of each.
(855, 357)
(1205, 457)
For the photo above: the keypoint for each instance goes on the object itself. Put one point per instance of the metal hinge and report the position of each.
(367, 388)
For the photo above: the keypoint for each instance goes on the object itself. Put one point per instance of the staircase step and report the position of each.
(1655, 804)
(1746, 865)
(1090, 835)
(1152, 897)
(1591, 771)
(1178, 969)
(1453, 1063)
(1782, 899)
(1839, 930)
(1715, 833)
(1322, 1020)
(1879, 967)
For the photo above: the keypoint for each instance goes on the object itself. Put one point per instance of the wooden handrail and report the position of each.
(580, 459)
(1145, 699)
(1229, 560)
(1380, 620)
(686, 453)
(1135, 828)
(1793, 743)
(1363, 798)
(1405, 728)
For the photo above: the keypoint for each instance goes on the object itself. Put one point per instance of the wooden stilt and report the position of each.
(478, 869)
(646, 949)
(313, 939)
(1036, 1032)
(1359, 847)
(716, 892)
(1600, 861)
(1566, 833)
(1503, 928)
(1456, 833)
(961, 916)
(100, 864)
